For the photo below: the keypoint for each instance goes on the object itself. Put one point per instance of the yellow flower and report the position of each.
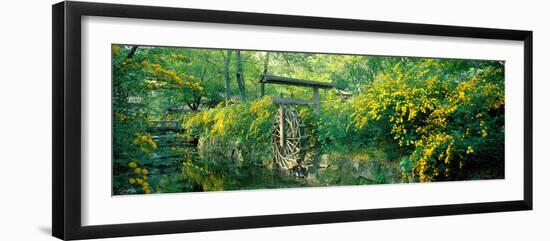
(132, 180)
(144, 171)
(132, 164)
(116, 50)
(137, 171)
(461, 95)
(144, 138)
(140, 181)
(469, 150)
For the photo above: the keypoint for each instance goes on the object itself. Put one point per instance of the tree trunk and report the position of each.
(240, 76)
(262, 85)
(197, 96)
(129, 56)
(132, 52)
(227, 61)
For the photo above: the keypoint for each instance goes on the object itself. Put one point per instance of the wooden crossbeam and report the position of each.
(271, 79)
(289, 101)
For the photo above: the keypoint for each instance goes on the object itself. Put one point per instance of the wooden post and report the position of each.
(316, 102)
(282, 125)
(262, 89)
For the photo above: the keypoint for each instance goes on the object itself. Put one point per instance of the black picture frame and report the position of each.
(66, 47)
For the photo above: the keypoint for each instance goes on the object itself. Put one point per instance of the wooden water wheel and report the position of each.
(288, 139)
(288, 133)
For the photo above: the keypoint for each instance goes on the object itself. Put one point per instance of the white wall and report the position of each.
(25, 136)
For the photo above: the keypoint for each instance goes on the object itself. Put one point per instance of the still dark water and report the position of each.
(206, 169)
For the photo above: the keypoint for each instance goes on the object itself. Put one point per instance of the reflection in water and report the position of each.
(213, 165)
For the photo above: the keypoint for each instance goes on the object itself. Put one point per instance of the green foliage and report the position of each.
(334, 125)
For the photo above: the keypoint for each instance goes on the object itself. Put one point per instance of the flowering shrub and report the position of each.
(438, 122)
(247, 125)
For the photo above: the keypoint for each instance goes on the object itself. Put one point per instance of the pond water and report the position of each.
(222, 167)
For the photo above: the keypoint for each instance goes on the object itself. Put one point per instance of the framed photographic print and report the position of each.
(170, 120)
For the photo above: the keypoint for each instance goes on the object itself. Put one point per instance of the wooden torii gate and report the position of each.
(288, 134)
(315, 85)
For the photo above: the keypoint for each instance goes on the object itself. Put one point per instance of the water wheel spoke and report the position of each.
(287, 138)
